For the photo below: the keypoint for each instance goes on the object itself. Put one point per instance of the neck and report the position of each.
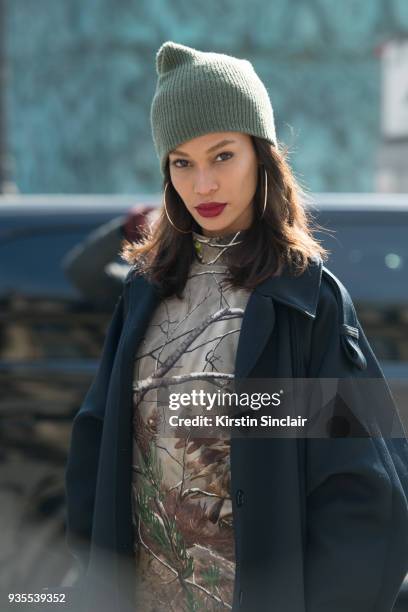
(215, 249)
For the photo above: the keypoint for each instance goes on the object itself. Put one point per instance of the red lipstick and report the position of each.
(210, 209)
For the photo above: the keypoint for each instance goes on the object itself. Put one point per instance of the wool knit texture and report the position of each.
(200, 92)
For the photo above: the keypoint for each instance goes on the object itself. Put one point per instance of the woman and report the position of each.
(228, 291)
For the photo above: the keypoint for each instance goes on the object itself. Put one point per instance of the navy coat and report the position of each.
(320, 523)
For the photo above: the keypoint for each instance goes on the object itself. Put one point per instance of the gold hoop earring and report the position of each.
(265, 193)
(168, 216)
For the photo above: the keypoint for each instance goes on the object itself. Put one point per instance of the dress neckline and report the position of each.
(211, 250)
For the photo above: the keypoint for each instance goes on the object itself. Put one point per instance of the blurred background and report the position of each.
(78, 78)
(78, 174)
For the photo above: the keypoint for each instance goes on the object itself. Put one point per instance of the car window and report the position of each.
(372, 261)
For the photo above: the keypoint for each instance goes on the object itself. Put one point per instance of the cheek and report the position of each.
(246, 186)
(178, 184)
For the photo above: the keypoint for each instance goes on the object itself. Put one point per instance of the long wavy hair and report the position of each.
(282, 237)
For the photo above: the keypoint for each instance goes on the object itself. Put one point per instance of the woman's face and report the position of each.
(219, 168)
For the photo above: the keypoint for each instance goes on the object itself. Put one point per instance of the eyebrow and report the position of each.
(222, 143)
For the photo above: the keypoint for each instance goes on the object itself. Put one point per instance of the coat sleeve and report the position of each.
(83, 455)
(357, 485)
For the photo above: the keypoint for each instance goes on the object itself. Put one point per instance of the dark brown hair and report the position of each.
(283, 237)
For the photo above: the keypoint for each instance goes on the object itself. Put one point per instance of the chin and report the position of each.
(215, 225)
(215, 228)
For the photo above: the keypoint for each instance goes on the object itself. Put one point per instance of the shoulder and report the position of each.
(136, 278)
(335, 300)
(336, 318)
(131, 275)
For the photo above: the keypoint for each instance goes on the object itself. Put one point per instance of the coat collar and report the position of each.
(301, 292)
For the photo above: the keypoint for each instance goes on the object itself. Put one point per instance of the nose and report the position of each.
(204, 183)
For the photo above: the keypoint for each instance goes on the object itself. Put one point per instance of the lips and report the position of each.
(211, 209)
(210, 205)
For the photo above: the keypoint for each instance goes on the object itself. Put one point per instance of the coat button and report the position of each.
(240, 597)
(239, 497)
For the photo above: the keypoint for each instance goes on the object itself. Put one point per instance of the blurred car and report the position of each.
(51, 336)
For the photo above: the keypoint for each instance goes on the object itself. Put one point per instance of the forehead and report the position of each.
(206, 141)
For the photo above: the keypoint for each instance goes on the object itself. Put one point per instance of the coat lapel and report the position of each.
(257, 326)
(299, 292)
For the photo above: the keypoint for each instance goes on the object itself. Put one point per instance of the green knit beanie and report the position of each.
(199, 92)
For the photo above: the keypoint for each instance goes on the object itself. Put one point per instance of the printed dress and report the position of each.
(182, 514)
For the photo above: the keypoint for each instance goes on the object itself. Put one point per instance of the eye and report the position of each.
(226, 153)
(175, 162)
